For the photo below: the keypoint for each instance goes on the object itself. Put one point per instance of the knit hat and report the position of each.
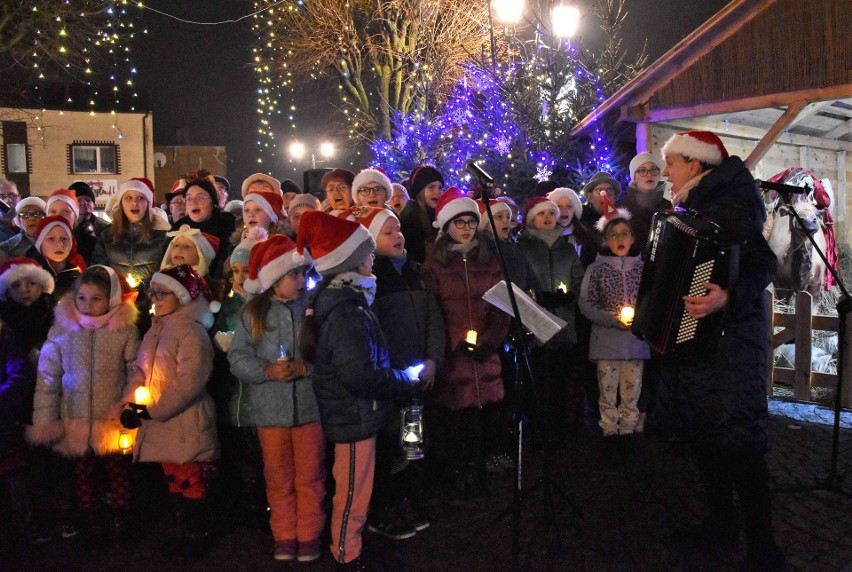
(270, 260)
(535, 205)
(370, 175)
(610, 214)
(288, 186)
(271, 203)
(453, 202)
(341, 175)
(223, 181)
(19, 267)
(66, 196)
(545, 187)
(206, 245)
(599, 178)
(304, 200)
(178, 188)
(570, 194)
(234, 208)
(705, 146)
(372, 218)
(47, 224)
(273, 182)
(240, 254)
(186, 284)
(140, 184)
(336, 244)
(640, 160)
(82, 189)
(208, 185)
(119, 290)
(422, 176)
(497, 205)
(30, 202)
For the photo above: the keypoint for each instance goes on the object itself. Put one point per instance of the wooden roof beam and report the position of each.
(842, 129)
(810, 110)
(771, 136)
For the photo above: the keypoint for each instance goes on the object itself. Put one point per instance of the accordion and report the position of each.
(684, 251)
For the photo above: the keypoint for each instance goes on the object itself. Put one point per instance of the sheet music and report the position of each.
(536, 319)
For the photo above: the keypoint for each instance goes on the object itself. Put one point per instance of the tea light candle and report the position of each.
(142, 395)
(627, 314)
(132, 281)
(471, 337)
(562, 288)
(125, 442)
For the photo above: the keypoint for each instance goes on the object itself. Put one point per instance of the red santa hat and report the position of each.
(702, 145)
(186, 285)
(272, 181)
(139, 184)
(454, 202)
(47, 224)
(535, 205)
(497, 205)
(18, 268)
(66, 196)
(565, 193)
(270, 260)
(372, 218)
(336, 244)
(206, 245)
(271, 203)
(610, 213)
(178, 188)
(375, 175)
(119, 290)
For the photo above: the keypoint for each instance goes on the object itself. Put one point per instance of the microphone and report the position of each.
(782, 189)
(475, 171)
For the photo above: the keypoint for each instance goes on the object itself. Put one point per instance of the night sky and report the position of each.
(197, 81)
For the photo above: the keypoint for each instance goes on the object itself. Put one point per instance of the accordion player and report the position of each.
(683, 252)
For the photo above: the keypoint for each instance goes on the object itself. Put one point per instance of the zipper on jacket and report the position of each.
(293, 384)
(470, 321)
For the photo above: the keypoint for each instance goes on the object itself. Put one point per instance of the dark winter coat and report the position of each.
(408, 313)
(554, 265)
(588, 219)
(87, 235)
(260, 402)
(354, 384)
(459, 286)
(642, 207)
(222, 226)
(520, 271)
(611, 283)
(717, 396)
(17, 245)
(38, 318)
(17, 384)
(416, 226)
(63, 281)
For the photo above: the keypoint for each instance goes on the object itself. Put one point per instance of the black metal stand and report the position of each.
(521, 359)
(844, 305)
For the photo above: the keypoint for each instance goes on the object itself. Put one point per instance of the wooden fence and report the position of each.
(797, 329)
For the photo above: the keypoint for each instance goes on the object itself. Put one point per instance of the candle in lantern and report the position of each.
(627, 313)
(125, 442)
(142, 395)
(471, 337)
(562, 288)
(132, 281)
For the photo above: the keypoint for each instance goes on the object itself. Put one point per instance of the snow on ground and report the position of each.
(809, 413)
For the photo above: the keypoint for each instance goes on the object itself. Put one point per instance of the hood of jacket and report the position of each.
(328, 298)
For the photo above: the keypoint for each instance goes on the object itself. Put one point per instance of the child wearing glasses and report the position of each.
(608, 299)
(28, 213)
(371, 188)
(645, 195)
(468, 387)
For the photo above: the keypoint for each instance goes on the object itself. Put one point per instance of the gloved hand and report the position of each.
(131, 418)
(481, 352)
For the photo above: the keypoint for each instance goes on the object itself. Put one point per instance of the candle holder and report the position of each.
(626, 315)
(411, 430)
(125, 442)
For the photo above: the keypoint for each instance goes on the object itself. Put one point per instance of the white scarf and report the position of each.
(683, 193)
(366, 285)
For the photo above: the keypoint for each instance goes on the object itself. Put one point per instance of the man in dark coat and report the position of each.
(716, 397)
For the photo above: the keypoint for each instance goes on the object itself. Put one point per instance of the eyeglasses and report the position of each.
(200, 199)
(160, 294)
(465, 223)
(365, 191)
(653, 171)
(624, 234)
(177, 202)
(339, 188)
(10, 197)
(32, 215)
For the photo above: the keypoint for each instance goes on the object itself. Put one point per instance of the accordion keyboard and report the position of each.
(688, 324)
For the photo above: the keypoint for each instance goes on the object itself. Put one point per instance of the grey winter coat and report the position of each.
(611, 283)
(260, 402)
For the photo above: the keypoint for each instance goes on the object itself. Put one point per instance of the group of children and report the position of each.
(302, 366)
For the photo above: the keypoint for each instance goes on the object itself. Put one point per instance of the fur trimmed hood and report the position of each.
(68, 317)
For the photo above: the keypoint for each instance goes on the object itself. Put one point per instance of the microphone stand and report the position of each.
(844, 306)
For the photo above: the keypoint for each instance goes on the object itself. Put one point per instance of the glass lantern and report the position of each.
(411, 430)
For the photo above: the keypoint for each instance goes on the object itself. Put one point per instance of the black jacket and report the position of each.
(416, 226)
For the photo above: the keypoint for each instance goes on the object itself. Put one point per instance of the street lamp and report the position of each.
(564, 20)
(509, 11)
(298, 150)
(327, 150)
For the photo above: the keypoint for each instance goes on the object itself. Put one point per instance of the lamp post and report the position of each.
(297, 151)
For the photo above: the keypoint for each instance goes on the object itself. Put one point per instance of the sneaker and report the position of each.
(309, 551)
(68, 530)
(285, 550)
(396, 529)
(413, 516)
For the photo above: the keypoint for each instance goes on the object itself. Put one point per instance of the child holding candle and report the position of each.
(468, 387)
(276, 395)
(82, 373)
(608, 299)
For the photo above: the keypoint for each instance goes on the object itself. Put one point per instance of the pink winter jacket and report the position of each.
(82, 375)
(174, 361)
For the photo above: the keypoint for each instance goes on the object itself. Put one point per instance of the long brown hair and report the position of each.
(121, 226)
(255, 311)
(441, 251)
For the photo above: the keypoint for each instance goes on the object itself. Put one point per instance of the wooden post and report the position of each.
(847, 367)
(768, 299)
(804, 335)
